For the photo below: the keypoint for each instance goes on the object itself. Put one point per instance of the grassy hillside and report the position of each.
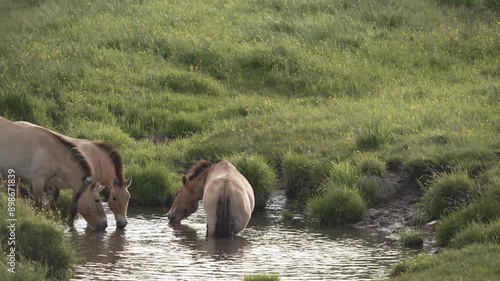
(168, 82)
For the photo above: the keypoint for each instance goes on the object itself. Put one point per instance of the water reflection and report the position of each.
(217, 248)
(101, 247)
(149, 248)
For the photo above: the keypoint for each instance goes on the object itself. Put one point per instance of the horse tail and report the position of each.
(223, 225)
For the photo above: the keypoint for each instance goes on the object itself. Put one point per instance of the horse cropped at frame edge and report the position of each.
(38, 154)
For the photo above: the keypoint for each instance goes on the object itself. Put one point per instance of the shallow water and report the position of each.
(150, 249)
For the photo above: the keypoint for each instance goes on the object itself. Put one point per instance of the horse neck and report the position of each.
(104, 168)
(73, 176)
(200, 183)
(67, 168)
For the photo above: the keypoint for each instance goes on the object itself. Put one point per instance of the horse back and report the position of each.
(29, 149)
(228, 200)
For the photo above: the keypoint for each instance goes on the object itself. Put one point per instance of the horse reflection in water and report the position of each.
(217, 248)
(99, 247)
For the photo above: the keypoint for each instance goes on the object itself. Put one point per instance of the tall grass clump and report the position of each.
(302, 174)
(448, 193)
(370, 165)
(338, 205)
(487, 233)
(259, 174)
(345, 173)
(481, 211)
(153, 185)
(412, 239)
(371, 137)
(40, 240)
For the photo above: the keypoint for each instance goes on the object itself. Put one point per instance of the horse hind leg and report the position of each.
(55, 193)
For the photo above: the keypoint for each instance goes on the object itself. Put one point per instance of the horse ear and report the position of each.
(129, 182)
(184, 180)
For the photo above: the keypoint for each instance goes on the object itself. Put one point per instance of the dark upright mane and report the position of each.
(116, 158)
(198, 168)
(76, 153)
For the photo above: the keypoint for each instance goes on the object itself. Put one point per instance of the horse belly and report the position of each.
(18, 163)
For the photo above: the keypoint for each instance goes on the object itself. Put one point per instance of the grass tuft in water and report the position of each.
(339, 205)
(262, 277)
(412, 239)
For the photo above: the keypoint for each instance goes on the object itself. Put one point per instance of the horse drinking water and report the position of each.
(107, 167)
(39, 154)
(228, 198)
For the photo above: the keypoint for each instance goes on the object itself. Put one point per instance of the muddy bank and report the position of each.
(398, 197)
(396, 210)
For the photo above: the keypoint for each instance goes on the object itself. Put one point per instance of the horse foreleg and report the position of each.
(38, 186)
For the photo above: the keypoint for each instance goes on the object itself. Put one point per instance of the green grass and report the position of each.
(300, 83)
(63, 203)
(24, 271)
(448, 193)
(477, 262)
(259, 174)
(287, 215)
(481, 211)
(477, 233)
(412, 239)
(41, 244)
(153, 185)
(338, 205)
(262, 277)
(304, 85)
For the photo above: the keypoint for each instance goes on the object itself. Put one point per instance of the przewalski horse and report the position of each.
(228, 198)
(38, 154)
(107, 167)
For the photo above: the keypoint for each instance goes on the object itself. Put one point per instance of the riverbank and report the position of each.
(35, 245)
(331, 99)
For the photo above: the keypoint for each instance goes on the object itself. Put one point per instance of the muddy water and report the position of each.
(150, 249)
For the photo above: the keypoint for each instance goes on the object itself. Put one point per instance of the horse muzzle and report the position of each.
(101, 225)
(172, 218)
(120, 224)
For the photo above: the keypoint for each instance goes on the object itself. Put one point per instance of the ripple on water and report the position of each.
(150, 249)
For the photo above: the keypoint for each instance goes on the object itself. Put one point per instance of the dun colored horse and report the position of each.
(38, 154)
(107, 167)
(227, 196)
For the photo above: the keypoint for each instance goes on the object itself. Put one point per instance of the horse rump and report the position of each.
(223, 224)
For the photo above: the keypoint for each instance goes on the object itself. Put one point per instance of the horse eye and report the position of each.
(97, 200)
(114, 198)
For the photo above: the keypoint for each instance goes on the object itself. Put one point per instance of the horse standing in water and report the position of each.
(228, 198)
(107, 166)
(39, 154)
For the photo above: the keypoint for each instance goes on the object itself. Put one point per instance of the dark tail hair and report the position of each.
(223, 225)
